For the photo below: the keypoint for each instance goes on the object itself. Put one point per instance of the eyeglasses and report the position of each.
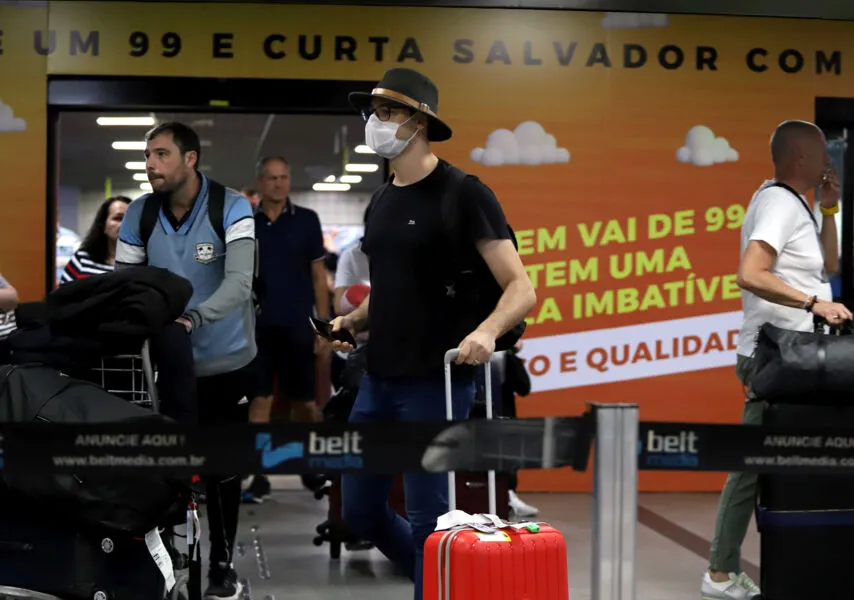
(383, 112)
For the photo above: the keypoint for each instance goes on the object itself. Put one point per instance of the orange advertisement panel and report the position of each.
(623, 147)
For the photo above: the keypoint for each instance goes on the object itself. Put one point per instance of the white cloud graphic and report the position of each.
(626, 20)
(8, 121)
(528, 144)
(703, 149)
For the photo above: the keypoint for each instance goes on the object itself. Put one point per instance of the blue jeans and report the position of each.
(365, 497)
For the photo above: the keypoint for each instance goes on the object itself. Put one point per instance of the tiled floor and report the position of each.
(283, 530)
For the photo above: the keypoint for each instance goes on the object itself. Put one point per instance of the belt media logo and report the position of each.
(335, 452)
(273, 457)
(669, 449)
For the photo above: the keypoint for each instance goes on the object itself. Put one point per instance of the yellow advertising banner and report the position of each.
(623, 147)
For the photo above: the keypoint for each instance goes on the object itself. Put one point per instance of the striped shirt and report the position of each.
(81, 265)
(7, 318)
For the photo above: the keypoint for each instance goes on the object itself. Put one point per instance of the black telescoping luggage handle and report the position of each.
(450, 357)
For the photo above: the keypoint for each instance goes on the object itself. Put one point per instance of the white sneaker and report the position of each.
(739, 587)
(519, 508)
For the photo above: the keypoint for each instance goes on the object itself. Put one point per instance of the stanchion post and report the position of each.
(615, 501)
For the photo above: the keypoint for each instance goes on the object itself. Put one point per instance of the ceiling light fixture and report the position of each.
(331, 187)
(145, 187)
(135, 166)
(361, 168)
(125, 121)
(140, 145)
(350, 179)
(330, 179)
(140, 176)
(363, 149)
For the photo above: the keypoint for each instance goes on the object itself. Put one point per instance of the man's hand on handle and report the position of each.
(832, 312)
(476, 349)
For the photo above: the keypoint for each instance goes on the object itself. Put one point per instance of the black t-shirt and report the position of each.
(411, 315)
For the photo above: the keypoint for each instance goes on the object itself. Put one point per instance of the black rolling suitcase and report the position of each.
(806, 522)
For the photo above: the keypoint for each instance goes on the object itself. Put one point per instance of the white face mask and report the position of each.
(381, 137)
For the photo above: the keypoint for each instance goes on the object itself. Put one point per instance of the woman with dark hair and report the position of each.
(97, 252)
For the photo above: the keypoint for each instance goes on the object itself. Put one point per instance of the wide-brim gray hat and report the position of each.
(412, 89)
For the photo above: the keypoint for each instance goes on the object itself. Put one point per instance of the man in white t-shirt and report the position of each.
(352, 285)
(352, 270)
(786, 260)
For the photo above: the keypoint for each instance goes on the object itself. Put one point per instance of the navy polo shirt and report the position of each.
(287, 248)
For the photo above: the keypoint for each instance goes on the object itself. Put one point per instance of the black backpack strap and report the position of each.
(452, 213)
(375, 198)
(149, 216)
(216, 207)
(148, 219)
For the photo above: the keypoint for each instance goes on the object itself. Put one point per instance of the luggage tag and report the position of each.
(194, 528)
(161, 557)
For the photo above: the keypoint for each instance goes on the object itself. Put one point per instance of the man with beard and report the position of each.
(196, 228)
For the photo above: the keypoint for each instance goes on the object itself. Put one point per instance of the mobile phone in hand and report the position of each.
(324, 329)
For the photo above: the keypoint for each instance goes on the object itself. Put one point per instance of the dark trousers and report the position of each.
(206, 400)
(366, 510)
(219, 404)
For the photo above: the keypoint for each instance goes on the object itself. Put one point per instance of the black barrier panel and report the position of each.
(476, 445)
(669, 446)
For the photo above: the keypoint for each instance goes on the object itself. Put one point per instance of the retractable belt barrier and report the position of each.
(474, 445)
(179, 450)
(622, 445)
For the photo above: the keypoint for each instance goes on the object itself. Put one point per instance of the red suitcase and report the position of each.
(526, 563)
(464, 564)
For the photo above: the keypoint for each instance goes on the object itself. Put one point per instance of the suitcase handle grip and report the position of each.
(450, 357)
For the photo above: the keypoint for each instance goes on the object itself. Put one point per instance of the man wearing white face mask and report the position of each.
(415, 308)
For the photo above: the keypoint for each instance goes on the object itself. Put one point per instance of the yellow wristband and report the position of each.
(829, 212)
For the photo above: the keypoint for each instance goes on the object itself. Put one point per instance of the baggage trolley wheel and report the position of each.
(319, 494)
(318, 541)
(323, 528)
(335, 549)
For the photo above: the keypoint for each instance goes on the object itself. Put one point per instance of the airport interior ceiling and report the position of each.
(231, 145)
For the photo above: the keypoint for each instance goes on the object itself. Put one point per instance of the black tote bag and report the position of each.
(804, 367)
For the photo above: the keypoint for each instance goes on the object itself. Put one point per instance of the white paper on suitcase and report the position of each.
(480, 522)
(161, 557)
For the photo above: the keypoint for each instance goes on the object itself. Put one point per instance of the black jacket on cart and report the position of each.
(102, 315)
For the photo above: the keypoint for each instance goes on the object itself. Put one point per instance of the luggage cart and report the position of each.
(10, 593)
(129, 376)
(133, 378)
